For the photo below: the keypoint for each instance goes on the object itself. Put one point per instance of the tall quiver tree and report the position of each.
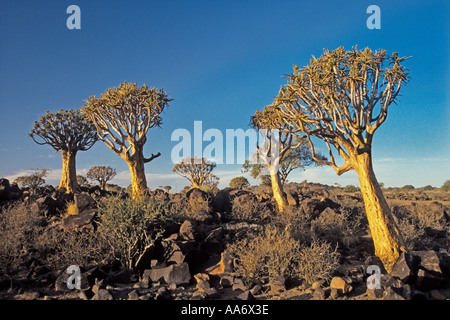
(342, 98)
(122, 117)
(67, 132)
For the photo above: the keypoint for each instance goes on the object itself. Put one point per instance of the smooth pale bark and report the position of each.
(69, 173)
(277, 190)
(385, 233)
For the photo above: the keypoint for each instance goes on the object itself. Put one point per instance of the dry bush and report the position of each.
(74, 247)
(23, 230)
(341, 228)
(410, 232)
(271, 253)
(334, 227)
(296, 223)
(20, 225)
(317, 261)
(197, 209)
(248, 208)
(429, 216)
(275, 253)
(413, 223)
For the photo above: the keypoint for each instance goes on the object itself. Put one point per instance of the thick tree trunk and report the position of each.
(137, 171)
(385, 233)
(69, 172)
(277, 190)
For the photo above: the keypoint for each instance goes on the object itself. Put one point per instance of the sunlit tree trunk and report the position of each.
(385, 233)
(137, 171)
(277, 189)
(69, 173)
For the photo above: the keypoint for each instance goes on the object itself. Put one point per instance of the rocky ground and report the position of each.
(192, 260)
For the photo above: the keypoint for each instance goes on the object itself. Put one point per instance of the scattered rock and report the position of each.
(226, 281)
(212, 293)
(440, 294)
(83, 295)
(393, 293)
(187, 230)
(84, 201)
(103, 294)
(317, 284)
(429, 261)
(202, 281)
(256, 290)
(176, 273)
(340, 284)
(277, 284)
(133, 295)
(374, 293)
(238, 284)
(319, 294)
(335, 293)
(406, 267)
(427, 281)
(79, 220)
(246, 295)
(225, 265)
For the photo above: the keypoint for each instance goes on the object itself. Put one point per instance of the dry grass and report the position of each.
(275, 253)
(271, 253)
(72, 209)
(248, 208)
(317, 261)
(25, 233)
(20, 225)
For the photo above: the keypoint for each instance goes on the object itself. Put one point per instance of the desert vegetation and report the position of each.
(277, 240)
(235, 239)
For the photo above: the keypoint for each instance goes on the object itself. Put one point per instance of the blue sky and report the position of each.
(219, 61)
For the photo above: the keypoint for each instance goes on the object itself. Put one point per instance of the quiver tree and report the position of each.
(281, 152)
(67, 132)
(342, 98)
(197, 171)
(122, 117)
(101, 174)
(34, 180)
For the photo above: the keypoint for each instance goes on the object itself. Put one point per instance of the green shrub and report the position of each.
(428, 188)
(350, 188)
(446, 186)
(408, 187)
(239, 183)
(131, 226)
